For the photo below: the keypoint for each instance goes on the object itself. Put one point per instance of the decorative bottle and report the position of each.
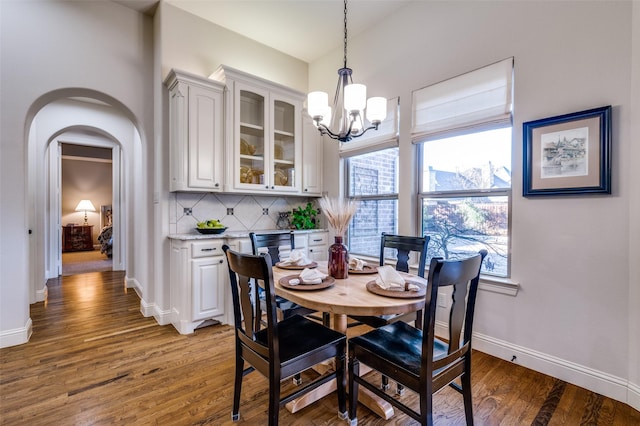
(338, 263)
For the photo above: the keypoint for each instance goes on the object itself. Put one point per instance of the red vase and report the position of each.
(338, 263)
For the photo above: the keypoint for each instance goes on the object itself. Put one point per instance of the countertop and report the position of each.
(234, 234)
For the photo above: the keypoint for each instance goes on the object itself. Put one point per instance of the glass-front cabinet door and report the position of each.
(253, 145)
(286, 149)
(268, 148)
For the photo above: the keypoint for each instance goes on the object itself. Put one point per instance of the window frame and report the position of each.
(486, 192)
(378, 197)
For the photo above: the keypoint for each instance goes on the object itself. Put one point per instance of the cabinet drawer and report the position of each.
(206, 248)
(319, 239)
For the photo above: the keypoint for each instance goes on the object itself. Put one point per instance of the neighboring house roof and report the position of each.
(447, 181)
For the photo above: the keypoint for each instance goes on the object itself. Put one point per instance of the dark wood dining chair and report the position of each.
(282, 349)
(272, 243)
(404, 245)
(416, 358)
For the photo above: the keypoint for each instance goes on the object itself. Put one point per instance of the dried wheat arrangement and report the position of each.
(339, 212)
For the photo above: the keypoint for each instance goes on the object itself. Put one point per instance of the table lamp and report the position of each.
(86, 206)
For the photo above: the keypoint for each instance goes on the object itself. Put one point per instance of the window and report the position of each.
(372, 178)
(462, 127)
(465, 191)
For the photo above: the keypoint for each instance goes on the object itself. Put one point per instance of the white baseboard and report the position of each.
(633, 399)
(41, 294)
(596, 381)
(148, 309)
(17, 336)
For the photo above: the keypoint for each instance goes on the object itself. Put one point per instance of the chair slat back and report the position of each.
(243, 270)
(463, 276)
(273, 242)
(404, 246)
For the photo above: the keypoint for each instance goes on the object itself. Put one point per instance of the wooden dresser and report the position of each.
(77, 238)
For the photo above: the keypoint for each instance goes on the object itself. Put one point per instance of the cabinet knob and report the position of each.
(305, 190)
(217, 185)
(221, 261)
(273, 187)
(266, 186)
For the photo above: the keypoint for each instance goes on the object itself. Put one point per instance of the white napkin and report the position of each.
(311, 276)
(356, 264)
(308, 276)
(389, 279)
(296, 257)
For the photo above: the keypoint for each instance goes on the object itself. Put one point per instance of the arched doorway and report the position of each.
(62, 113)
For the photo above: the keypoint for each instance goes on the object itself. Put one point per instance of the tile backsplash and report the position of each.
(236, 211)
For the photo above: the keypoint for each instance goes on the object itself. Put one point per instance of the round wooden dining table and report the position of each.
(347, 296)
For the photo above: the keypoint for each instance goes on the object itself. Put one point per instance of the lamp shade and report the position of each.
(317, 104)
(376, 109)
(85, 206)
(355, 97)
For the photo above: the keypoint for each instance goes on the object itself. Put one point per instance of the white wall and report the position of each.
(51, 50)
(192, 44)
(573, 316)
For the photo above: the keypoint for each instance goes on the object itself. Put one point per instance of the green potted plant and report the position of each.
(304, 218)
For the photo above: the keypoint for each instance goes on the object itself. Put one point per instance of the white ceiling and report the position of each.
(304, 29)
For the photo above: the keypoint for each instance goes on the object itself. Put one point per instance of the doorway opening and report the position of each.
(86, 207)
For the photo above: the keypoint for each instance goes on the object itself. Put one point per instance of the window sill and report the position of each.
(499, 285)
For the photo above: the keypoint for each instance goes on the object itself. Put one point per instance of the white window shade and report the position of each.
(385, 137)
(477, 99)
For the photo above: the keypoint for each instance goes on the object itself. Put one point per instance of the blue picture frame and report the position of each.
(568, 154)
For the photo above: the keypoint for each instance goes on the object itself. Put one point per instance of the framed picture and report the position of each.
(568, 154)
(105, 216)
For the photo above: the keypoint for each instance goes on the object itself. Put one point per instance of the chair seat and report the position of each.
(398, 344)
(299, 336)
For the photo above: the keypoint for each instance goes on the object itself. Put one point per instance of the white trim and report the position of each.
(87, 159)
(597, 381)
(633, 396)
(498, 285)
(41, 294)
(17, 336)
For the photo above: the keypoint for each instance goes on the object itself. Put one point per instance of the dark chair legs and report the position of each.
(354, 368)
(237, 387)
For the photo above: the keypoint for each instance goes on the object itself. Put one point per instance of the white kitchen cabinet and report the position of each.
(196, 141)
(199, 280)
(318, 245)
(264, 134)
(312, 157)
(314, 244)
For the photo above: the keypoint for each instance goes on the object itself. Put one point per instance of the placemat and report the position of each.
(297, 267)
(284, 282)
(410, 294)
(365, 271)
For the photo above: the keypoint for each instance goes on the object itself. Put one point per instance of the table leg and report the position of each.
(376, 404)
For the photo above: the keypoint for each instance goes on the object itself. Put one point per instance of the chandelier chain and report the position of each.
(345, 33)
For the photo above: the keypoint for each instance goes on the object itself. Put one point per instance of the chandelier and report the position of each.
(349, 105)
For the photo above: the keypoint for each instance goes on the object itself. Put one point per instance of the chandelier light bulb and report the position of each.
(355, 97)
(317, 104)
(376, 109)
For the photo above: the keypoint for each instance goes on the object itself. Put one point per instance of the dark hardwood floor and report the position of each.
(94, 359)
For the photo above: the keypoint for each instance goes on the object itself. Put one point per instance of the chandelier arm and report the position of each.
(372, 127)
